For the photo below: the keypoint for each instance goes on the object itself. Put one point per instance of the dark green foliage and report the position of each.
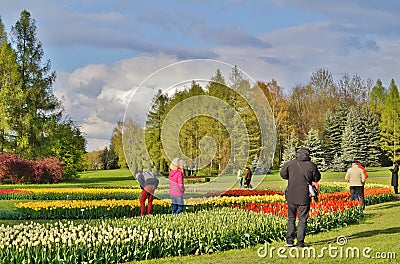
(31, 123)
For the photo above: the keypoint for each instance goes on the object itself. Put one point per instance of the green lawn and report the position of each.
(120, 178)
(379, 230)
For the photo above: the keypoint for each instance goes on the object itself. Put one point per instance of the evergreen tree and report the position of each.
(10, 93)
(314, 144)
(291, 146)
(154, 121)
(390, 124)
(38, 107)
(109, 159)
(332, 139)
(372, 133)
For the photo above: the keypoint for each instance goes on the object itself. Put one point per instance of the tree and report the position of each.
(334, 127)
(324, 97)
(94, 160)
(10, 93)
(291, 146)
(372, 132)
(279, 108)
(154, 121)
(377, 97)
(314, 144)
(135, 146)
(390, 124)
(68, 146)
(116, 144)
(38, 106)
(354, 90)
(301, 110)
(109, 159)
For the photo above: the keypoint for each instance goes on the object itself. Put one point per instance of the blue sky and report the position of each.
(102, 50)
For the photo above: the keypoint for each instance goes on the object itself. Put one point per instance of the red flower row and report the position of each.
(8, 191)
(245, 192)
(346, 194)
(317, 208)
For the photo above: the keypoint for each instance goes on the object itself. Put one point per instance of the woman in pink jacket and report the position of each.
(176, 186)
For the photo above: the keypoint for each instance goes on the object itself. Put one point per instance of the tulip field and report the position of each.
(101, 225)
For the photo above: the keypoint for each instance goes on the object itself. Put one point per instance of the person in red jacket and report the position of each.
(366, 177)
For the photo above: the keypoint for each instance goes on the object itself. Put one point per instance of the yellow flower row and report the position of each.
(225, 200)
(81, 190)
(73, 204)
(215, 201)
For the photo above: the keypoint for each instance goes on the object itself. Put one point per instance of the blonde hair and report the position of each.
(173, 166)
(176, 163)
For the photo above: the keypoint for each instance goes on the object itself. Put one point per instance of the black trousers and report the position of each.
(303, 211)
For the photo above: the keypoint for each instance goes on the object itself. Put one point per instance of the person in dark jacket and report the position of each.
(299, 172)
(395, 177)
(247, 178)
(148, 183)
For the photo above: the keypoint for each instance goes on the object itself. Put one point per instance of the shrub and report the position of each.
(14, 169)
(47, 170)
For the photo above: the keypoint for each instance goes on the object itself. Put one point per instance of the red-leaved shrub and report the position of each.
(47, 170)
(14, 169)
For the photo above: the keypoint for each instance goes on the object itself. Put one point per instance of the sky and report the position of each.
(104, 51)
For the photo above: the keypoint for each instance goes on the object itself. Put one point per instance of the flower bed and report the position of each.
(244, 192)
(76, 209)
(123, 240)
(69, 194)
(127, 208)
(163, 235)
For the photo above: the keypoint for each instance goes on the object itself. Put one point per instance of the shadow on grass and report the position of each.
(364, 234)
(368, 233)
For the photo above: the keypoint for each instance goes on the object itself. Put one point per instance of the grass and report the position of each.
(120, 178)
(378, 230)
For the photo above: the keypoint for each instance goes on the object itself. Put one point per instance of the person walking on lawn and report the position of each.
(148, 183)
(300, 173)
(356, 177)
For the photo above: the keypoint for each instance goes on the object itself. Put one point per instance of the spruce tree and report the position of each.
(290, 148)
(38, 106)
(155, 118)
(372, 133)
(10, 92)
(332, 138)
(314, 144)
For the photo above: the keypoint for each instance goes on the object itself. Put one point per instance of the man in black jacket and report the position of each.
(299, 172)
